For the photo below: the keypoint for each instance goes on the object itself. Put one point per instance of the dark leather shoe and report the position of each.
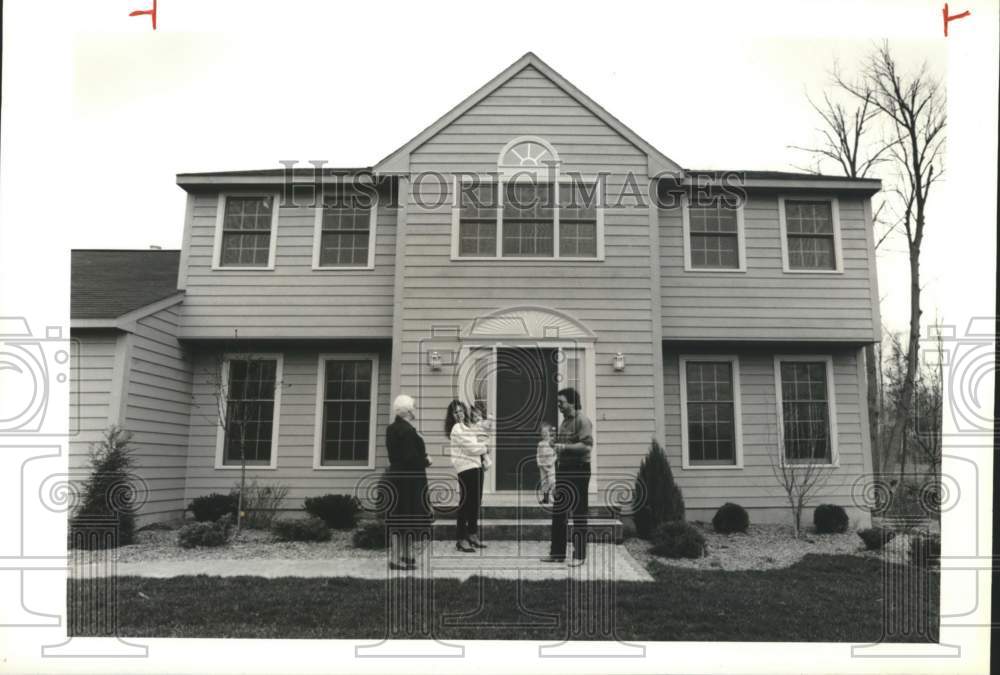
(393, 565)
(463, 548)
(553, 559)
(410, 561)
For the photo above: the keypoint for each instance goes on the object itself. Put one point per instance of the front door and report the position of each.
(527, 380)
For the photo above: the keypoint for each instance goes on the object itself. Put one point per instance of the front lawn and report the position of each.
(819, 599)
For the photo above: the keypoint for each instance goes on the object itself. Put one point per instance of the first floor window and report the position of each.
(250, 410)
(347, 411)
(809, 229)
(246, 231)
(711, 412)
(805, 411)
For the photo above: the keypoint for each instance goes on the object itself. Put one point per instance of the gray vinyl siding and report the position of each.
(292, 300)
(755, 485)
(158, 409)
(90, 384)
(765, 303)
(613, 298)
(296, 429)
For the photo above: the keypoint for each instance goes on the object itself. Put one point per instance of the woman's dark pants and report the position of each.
(470, 483)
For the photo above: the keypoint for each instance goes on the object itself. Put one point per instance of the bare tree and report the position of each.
(848, 141)
(800, 478)
(914, 106)
(232, 412)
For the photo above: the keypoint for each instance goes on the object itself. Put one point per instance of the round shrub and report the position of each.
(830, 519)
(677, 539)
(209, 508)
(204, 534)
(370, 536)
(338, 511)
(305, 529)
(730, 518)
(925, 549)
(875, 538)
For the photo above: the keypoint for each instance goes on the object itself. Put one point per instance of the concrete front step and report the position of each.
(528, 529)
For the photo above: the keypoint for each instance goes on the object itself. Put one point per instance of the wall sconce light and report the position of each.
(619, 362)
(434, 360)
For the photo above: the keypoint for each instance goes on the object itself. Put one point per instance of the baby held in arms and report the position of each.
(483, 424)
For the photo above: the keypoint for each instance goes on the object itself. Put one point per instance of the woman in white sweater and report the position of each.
(467, 457)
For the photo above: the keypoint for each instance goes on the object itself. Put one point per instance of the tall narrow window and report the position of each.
(250, 410)
(346, 229)
(577, 222)
(809, 227)
(348, 387)
(246, 231)
(714, 236)
(528, 220)
(711, 412)
(477, 229)
(805, 411)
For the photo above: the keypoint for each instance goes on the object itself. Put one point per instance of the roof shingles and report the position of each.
(104, 284)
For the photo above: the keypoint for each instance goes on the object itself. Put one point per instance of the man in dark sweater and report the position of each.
(574, 442)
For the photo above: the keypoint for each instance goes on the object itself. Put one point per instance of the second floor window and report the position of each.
(532, 220)
(810, 235)
(345, 231)
(714, 236)
(246, 231)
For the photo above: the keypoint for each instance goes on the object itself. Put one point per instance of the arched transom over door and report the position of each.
(513, 362)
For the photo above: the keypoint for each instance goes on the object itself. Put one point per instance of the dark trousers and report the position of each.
(470, 484)
(570, 497)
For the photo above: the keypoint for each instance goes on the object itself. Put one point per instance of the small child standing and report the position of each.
(546, 459)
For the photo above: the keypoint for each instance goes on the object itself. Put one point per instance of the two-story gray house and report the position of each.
(525, 241)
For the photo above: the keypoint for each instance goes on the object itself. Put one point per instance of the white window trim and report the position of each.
(373, 412)
(500, 182)
(834, 214)
(734, 361)
(318, 238)
(588, 404)
(220, 437)
(220, 217)
(740, 239)
(831, 404)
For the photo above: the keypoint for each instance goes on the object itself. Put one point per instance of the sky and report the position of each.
(709, 90)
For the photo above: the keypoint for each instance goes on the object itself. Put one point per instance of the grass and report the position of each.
(820, 599)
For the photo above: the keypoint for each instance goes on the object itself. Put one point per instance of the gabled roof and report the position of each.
(399, 161)
(105, 284)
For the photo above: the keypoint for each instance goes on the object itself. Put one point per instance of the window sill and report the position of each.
(711, 467)
(726, 270)
(358, 268)
(220, 268)
(835, 465)
(250, 467)
(519, 259)
(343, 467)
(791, 271)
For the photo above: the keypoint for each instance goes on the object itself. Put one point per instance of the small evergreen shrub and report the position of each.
(205, 533)
(338, 511)
(875, 538)
(305, 529)
(109, 491)
(370, 536)
(925, 549)
(209, 508)
(830, 519)
(657, 497)
(677, 539)
(730, 518)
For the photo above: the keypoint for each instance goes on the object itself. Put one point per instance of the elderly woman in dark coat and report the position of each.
(409, 514)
